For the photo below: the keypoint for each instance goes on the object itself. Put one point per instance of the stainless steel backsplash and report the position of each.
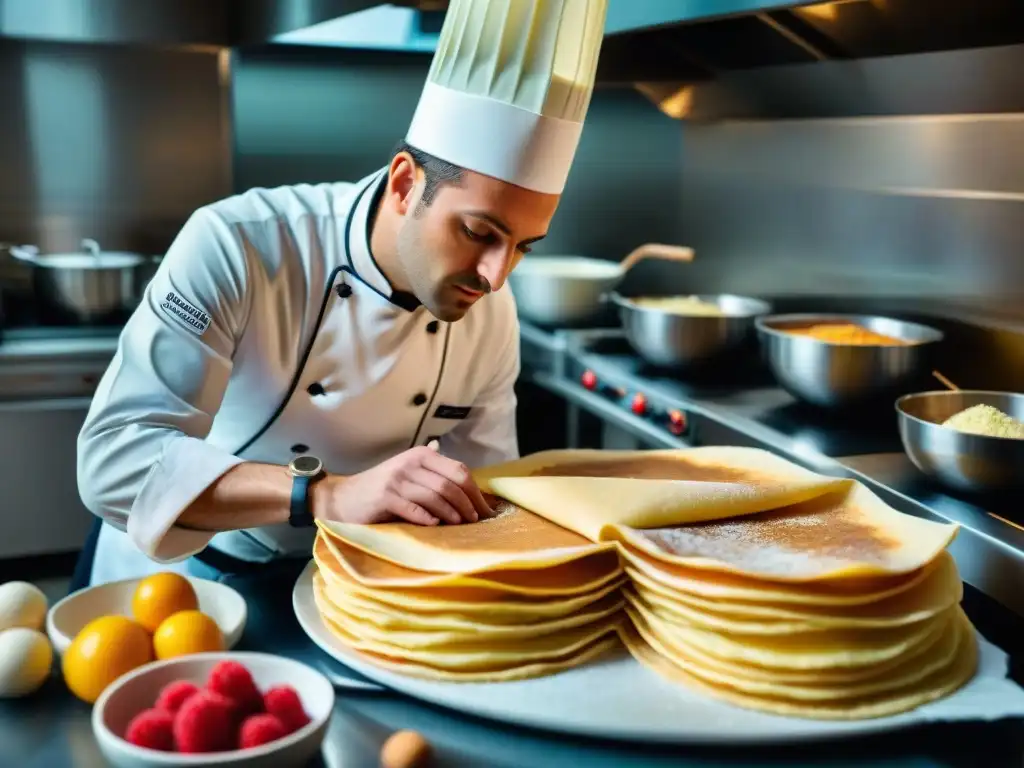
(115, 143)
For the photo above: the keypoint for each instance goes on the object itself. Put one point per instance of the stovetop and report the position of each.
(741, 385)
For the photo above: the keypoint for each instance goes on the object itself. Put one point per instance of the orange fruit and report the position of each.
(187, 632)
(101, 652)
(160, 596)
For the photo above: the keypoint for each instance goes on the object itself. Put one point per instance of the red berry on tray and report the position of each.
(231, 679)
(207, 722)
(174, 695)
(283, 702)
(260, 729)
(153, 729)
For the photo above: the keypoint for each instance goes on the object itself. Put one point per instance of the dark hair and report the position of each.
(436, 172)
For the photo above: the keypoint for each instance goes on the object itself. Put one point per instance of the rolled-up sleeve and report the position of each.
(488, 435)
(142, 457)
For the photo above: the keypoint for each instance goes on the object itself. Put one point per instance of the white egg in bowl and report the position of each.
(68, 616)
(138, 691)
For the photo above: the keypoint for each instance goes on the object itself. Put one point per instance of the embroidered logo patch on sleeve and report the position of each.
(186, 313)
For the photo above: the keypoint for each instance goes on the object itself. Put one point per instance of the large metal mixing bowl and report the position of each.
(962, 461)
(832, 375)
(673, 340)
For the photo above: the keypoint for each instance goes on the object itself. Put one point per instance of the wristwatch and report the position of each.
(305, 470)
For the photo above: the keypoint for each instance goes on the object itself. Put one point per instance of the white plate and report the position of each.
(67, 617)
(617, 698)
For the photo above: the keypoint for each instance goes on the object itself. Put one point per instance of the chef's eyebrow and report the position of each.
(501, 226)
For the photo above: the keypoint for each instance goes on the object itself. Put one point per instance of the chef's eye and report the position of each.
(524, 249)
(478, 237)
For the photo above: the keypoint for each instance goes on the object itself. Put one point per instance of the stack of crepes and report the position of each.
(509, 597)
(831, 605)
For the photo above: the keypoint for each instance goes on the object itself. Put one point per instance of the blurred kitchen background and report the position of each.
(856, 153)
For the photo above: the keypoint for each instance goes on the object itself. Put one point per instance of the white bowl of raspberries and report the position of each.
(220, 709)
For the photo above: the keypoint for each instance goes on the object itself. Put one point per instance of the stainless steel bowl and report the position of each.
(964, 462)
(673, 340)
(563, 290)
(837, 375)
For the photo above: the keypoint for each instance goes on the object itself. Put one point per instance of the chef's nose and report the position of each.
(495, 265)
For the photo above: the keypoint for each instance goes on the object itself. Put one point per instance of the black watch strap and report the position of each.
(300, 516)
(305, 471)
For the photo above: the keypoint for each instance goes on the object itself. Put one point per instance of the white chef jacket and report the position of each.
(270, 331)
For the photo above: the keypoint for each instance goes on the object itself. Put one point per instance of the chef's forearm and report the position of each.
(248, 495)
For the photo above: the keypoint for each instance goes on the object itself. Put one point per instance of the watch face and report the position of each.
(306, 465)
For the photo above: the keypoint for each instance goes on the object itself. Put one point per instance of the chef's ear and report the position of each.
(403, 177)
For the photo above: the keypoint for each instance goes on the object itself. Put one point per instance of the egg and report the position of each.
(405, 749)
(21, 605)
(26, 658)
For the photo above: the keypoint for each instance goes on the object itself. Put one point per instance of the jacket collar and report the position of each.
(364, 265)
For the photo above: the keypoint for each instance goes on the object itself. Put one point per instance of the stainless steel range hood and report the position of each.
(697, 39)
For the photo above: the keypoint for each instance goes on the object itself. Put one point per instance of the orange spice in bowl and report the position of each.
(849, 334)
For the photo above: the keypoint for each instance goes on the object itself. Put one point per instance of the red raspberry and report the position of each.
(283, 702)
(260, 729)
(231, 679)
(174, 695)
(153, 729)
(207, 722)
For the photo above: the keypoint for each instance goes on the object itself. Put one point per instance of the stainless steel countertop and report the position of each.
(52, 729)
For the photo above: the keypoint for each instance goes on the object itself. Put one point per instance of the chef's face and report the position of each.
(464, 242)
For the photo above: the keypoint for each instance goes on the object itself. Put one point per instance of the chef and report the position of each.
(344, 351)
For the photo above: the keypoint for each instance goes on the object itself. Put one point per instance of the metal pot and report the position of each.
(832, 375)
(570, 290)
(90, 284)
(674, 340)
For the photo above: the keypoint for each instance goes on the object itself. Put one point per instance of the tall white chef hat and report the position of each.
(509, 88)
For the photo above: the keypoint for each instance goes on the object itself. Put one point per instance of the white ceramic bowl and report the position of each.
(67, 617)
(137, 690)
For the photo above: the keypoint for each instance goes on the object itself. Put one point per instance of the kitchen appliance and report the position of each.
(89, 285)
(831, 375)
(679, 341)
(964, 462)
(570, 291)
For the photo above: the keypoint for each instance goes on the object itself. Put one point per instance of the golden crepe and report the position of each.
(948, 671)
(573, 577)
(591, 492)
(511, 539)
(472, 656)
(747, 578)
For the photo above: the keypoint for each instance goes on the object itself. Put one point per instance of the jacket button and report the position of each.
(300, 448)
(432, 326)
(344, 290)
(316, 389)
(420, 399)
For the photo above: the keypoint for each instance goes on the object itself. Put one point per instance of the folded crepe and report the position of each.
(699, 508)
(510, 539)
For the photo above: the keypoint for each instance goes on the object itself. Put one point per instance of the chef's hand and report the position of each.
(417, 486)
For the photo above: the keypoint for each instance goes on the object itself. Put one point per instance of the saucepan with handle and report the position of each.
(567, 291)
(89, 284)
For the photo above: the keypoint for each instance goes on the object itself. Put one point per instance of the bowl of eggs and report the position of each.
(106, 631)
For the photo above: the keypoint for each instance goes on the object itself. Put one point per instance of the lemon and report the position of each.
(101, 652)
(187, 632)
(160, 596)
